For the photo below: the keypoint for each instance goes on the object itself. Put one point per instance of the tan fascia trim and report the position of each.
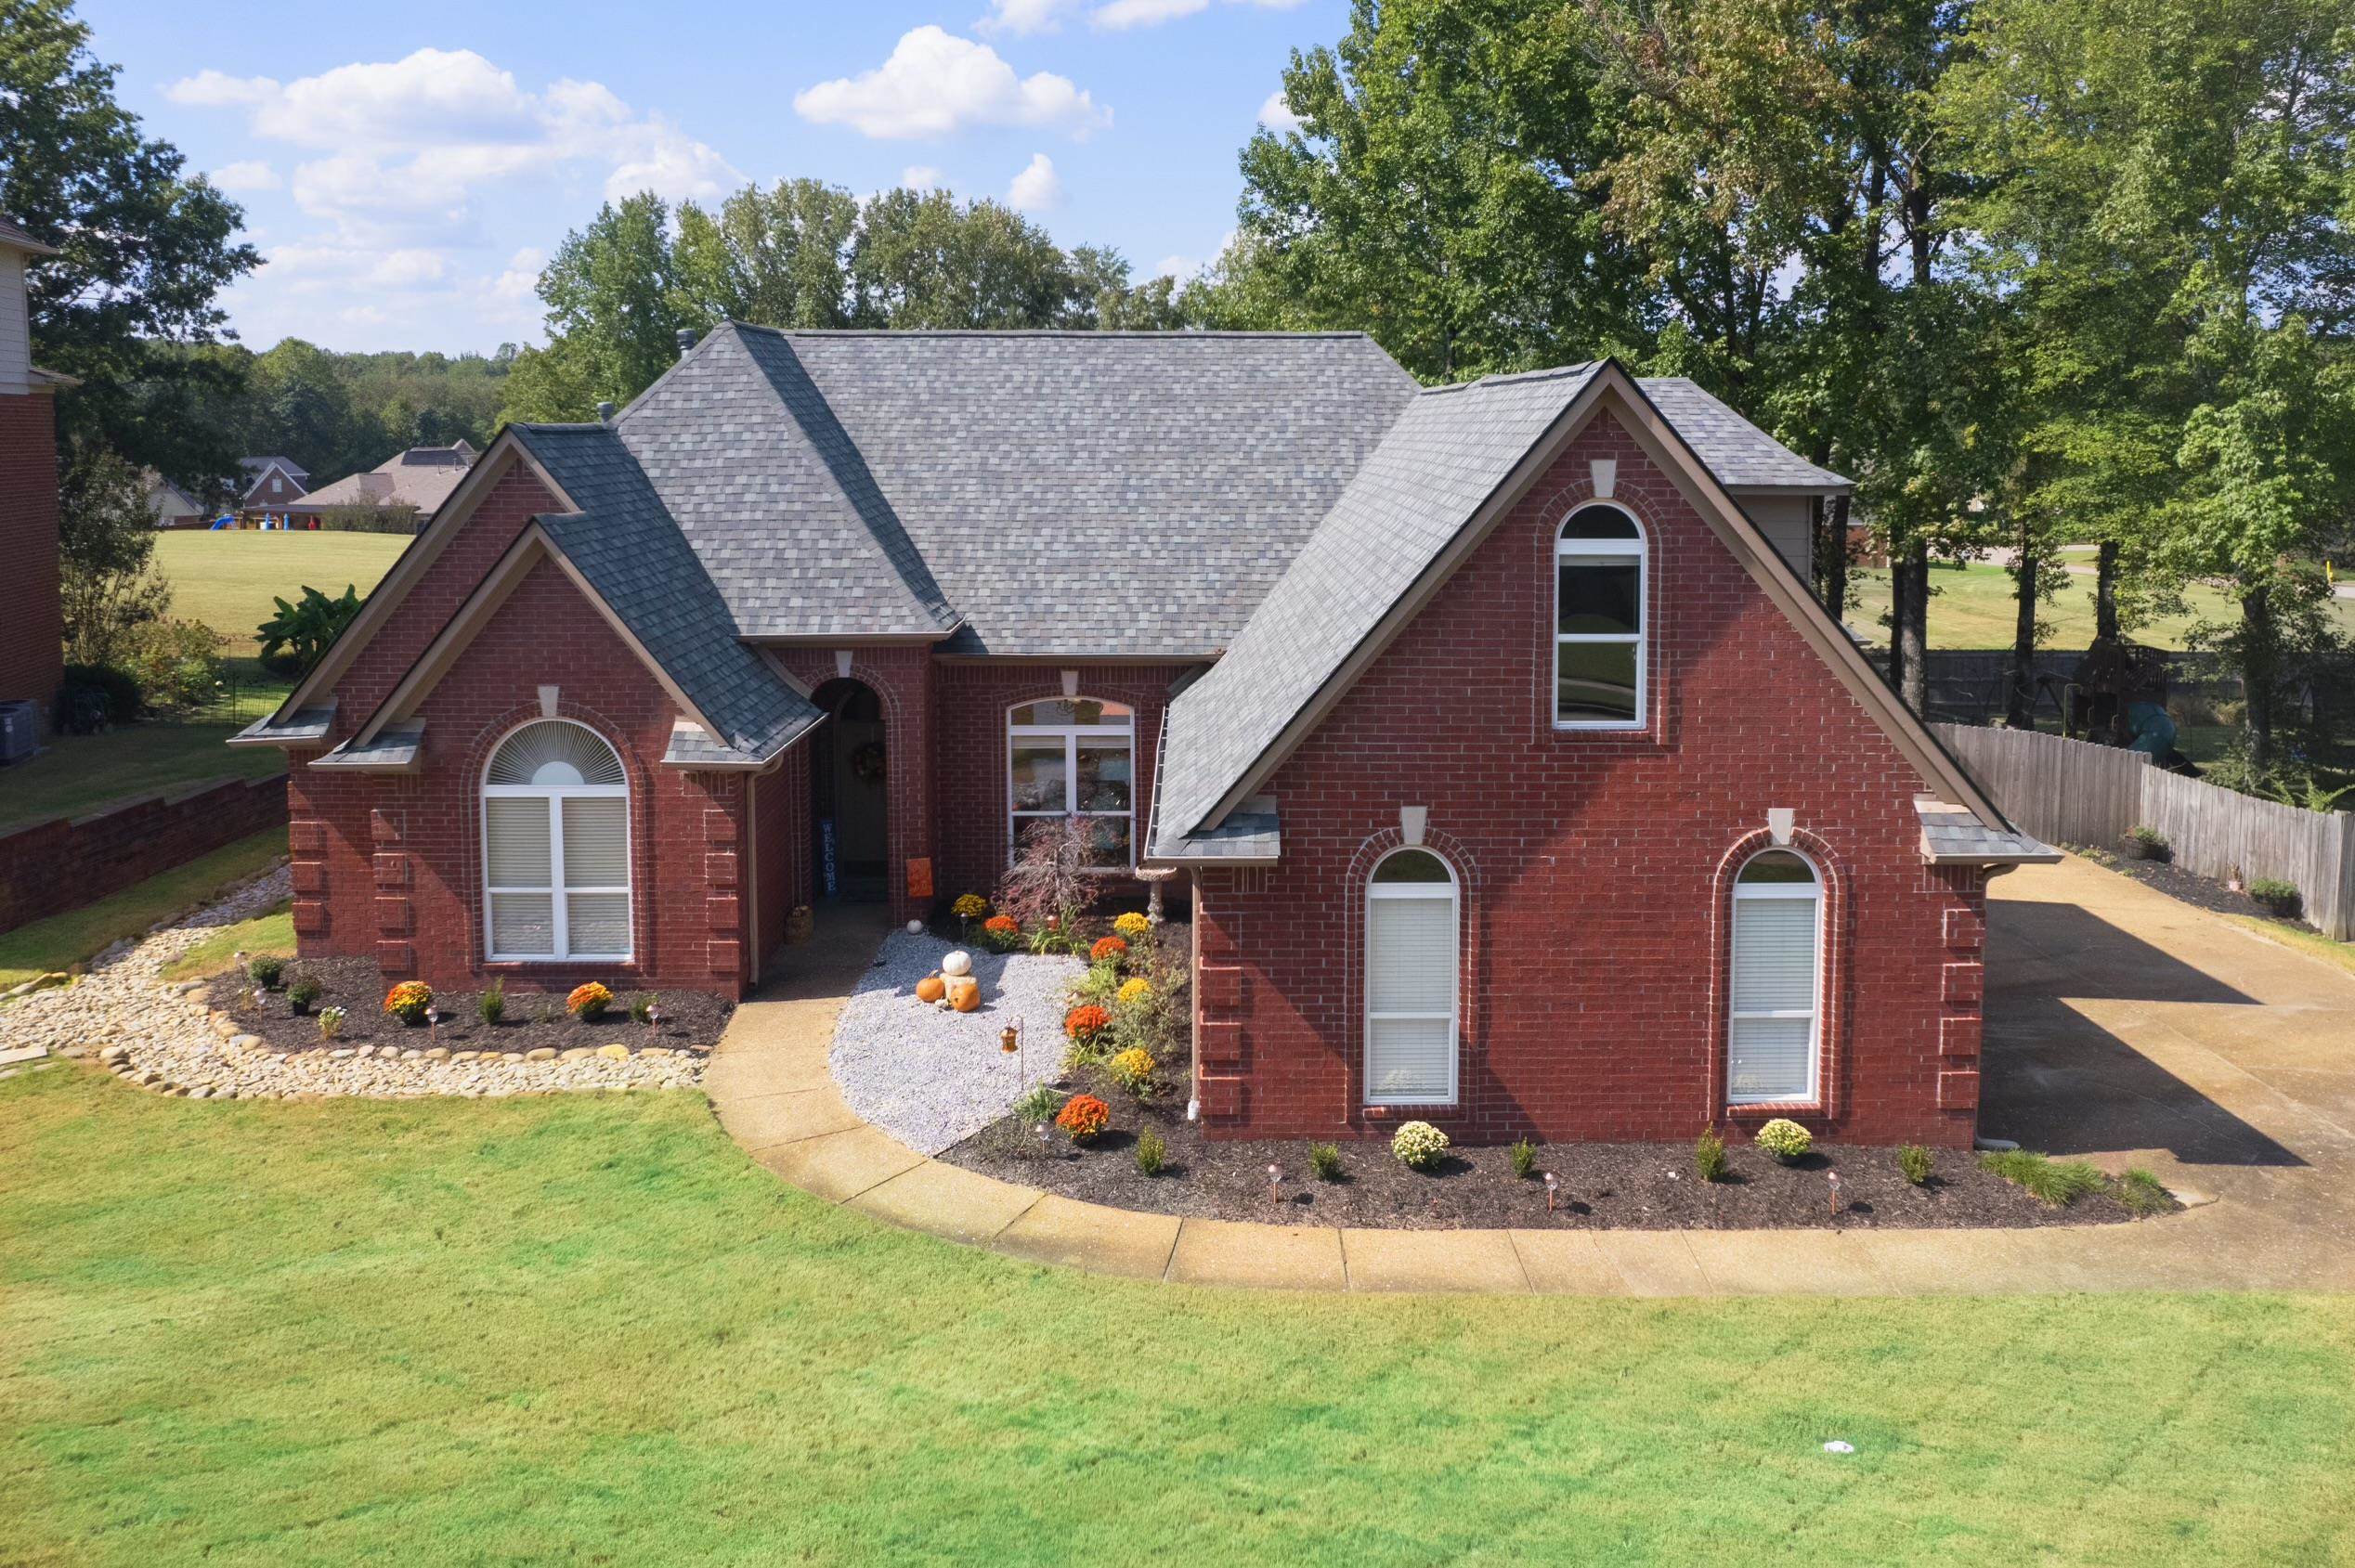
(1611, 387)
(412, 564)
(1533, 464)
(1103, 660)
(531, 547)
(1798, 602)
(853, 640)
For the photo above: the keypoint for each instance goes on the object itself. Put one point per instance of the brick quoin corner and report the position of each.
(1594, 867)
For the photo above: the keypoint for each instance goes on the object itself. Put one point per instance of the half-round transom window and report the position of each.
(556, 845)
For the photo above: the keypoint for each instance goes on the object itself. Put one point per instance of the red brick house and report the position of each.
(32, 633)
(1515, 778)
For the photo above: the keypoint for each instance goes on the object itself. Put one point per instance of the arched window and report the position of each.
(1598, 621)
(1777, 980)
(1413, 925)
(1076, 758)
(556, 845)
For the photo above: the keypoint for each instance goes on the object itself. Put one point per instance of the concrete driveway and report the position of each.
(2129, 1028)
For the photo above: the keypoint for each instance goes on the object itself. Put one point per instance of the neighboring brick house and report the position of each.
(411, 484)
(1517, 780)
(269, 485)
(32, 633)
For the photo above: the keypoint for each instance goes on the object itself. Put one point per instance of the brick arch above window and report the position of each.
(1833, 875)
(1370, 852)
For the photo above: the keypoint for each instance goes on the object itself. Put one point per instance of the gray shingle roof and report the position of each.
(1071, 492)
(1954, 835)
(15, 237)
(1445, 455)
(304, 725)
(626, 545)
(392, 749)
(1738, 453)
(1253, 831)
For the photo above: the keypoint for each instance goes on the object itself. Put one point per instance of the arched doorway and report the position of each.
(850, 810)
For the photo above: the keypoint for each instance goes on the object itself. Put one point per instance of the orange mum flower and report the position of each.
(1005, 924)
(1106, 949)
(1083, 1117)
(1082, 1023)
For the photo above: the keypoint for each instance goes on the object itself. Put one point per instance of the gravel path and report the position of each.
(931, 1077)
(160, 1036)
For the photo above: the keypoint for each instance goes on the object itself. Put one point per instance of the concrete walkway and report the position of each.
(2122, 1027)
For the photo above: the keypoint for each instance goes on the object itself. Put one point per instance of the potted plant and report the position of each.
(2276, 897)
(2144, 843)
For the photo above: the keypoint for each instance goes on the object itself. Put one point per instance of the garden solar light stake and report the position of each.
(1552, 1182)
(1833, 1177)
(1275, 1184)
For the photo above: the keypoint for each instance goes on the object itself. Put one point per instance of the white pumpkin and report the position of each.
(958, 963)
(916, 928)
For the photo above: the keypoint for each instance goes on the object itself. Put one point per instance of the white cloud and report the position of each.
(1038, 188)
(322, 266)
(247, 176)
(408, 144)
(1023, 17)
(1185, 269)
(923, 177)
(935, 84)
(1276, 113)
(1123, 14)
(520, 281)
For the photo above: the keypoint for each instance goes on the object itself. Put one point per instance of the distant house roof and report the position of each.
(259, 471)
(167, 499)
(256, 467)
(420, 478)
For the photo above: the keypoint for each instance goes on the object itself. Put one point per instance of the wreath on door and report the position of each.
(867, 763)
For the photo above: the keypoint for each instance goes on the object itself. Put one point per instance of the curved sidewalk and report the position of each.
(2243, 1019)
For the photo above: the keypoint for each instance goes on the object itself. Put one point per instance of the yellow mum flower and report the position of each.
(1132, 925)
(1133, 991)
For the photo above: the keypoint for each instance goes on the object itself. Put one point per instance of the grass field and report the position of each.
(64, 940)
(1974, 608)
(75, 774)
(227, 580)
(589, 1330)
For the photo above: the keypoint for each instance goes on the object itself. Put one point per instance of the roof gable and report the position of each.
(1438, 485)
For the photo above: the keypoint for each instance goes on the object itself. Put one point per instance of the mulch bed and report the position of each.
(1603, 1187)
(692, 1020)
(2190, 888)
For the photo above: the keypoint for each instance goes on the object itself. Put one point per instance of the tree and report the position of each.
(2167, 185)
(920, 260)
(780, 257)
(614, 316)
(106, 549)
(1103, 298)
(145, 251)
(1437, 195)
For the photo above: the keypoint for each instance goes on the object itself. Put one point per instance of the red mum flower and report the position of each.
(1083, 1117)
(1006, 925)
(1106, 949)
(1082, 1023)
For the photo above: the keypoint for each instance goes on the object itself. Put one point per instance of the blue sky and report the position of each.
(406, 168)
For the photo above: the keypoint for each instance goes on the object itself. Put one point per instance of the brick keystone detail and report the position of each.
(1958, 1035)
(1221, 1043)
(1965, 984)
(1965, 930)
(1958, 1090)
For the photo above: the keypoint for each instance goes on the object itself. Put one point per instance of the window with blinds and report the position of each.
(1771, 1046)
(556, 845)
(1413, 922)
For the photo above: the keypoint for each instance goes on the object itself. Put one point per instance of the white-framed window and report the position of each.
(556, 845)
(1413, 935)
(1600, 586)
(1074, 756)
(1777, 985)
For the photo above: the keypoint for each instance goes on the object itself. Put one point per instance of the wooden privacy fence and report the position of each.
(2067, 791)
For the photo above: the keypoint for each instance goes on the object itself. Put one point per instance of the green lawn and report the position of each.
(76, 774)
(227, 580)
(1974, 607)
(62, 939)
(589, 1330)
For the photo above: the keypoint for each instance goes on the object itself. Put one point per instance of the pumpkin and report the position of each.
(958, 963)
(965, 994)
(932, 988)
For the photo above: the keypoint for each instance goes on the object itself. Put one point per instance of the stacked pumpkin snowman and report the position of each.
(954, 986)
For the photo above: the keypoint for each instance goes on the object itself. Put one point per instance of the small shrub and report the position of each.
(1107, 950)
(302, 991)
(1133, 925)
(1100, 985)
(1040, 1105)
(175, 663)
(1524, 1157)
(1133, 1070)
(1133, 991)
(330, 1022)
(265, 969)
(95, 695)
(2276, 896)
(1914, 1161)
(640, 1006)
(1708, 1156)
(1050, 879)
(1153, 1154)
(1785, 1139)
(2143, 1193)
(588, 1002)
(2146, 842)
(491, 1005)
(2054, 1184)
(1324, 1161)
(408, 1000)
(1084, 1118)
(970, 906)
(1418, 1145)
(1084, 1023)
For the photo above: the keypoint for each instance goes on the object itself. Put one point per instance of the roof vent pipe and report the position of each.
(604, 413)
(686, 341)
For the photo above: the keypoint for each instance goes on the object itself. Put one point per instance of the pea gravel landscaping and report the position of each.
(929, 1076)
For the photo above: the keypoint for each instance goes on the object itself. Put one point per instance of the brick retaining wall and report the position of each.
(50, 867)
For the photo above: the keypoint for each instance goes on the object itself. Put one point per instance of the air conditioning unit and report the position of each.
(19, 731)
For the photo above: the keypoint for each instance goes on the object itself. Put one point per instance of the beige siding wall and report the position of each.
(1786, 521)
(15, 344)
